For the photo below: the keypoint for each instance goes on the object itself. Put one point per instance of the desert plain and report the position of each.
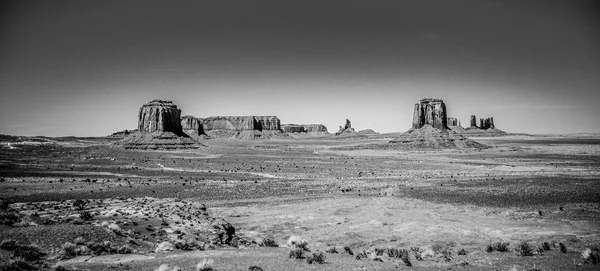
(87, 204)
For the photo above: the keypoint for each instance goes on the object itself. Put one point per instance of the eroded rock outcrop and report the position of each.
(430, 111)
(346, 130)
(430, 129)
(473, 122)
(303, 128)
(159, 116)
(243, 127)
(159, 128)
(192, 126)
(487, 123)
(452, 121)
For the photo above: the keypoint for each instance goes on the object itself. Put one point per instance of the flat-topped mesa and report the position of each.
(304, 128)
(159, 116)
(452, 121)
(487, 123)
(430, 111)
(241, 123)
(191, 125)
(473, 122)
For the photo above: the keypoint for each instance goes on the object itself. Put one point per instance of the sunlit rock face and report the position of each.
(430, 111)
(159, 116)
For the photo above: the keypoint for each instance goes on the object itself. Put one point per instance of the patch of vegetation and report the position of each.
(462, 251)
(17, 264)
(563, 248)
(296, 253)
(498, 246)
(331, 249)
(316, 257)
(79, 204)
(348, 250)
(86, 216)
(9, 218)
(546, 246)
(28, 252)
(267, 242)
(254, 268)
(591, 256)
(525, 249)
(361, 255)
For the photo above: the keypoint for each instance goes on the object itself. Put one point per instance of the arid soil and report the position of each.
(444, 207)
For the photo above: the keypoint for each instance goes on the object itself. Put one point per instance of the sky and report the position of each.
(84, 68)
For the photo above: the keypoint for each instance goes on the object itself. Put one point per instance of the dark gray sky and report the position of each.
(85, 67)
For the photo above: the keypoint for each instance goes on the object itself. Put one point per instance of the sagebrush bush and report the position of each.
(563, 248)
(331, 249)
(316, 257)
(86, 215)
(295, 253)
(68, 250)
(267, 242)
(501, 246)
(361, 255)
(462, 251)
(298, 242)
(348, 250)
(525, 249)
(546, 246)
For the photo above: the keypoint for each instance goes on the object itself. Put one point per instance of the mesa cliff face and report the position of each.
(159, 116)
(159, 128)
(241, 123)
(430, 130)
(430, 111)
(192, 126)
(303, 128)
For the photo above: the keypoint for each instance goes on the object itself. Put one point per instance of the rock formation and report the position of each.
(192, 126)
(486, 128)
(430, 130)
(473, 122)
(159, 116)
(487, 123)
(303, 128)
(346, 130)
(430, 111)
(159, 128)
(452, 121)
(243, 127)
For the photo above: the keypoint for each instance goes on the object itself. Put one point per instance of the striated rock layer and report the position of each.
(430, 111)
(159, 128)
(304, 128)
(243, 127)
(159, 116)
(192, 126)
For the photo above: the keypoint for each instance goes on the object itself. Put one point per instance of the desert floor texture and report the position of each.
(136, 210)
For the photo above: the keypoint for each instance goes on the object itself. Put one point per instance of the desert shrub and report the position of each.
(563, 248)
(9, 218)
(86, 216)
(361, 255)
(525, 249)
(379, 251)
(254, 268)
(331, 249)
(397, 253)
(501, 246)
(204, 265)
(28, 252)
(79, 204)
(298, 242)
(591, 256)
(489, 248)
(348, 250)
(185, 245)
(316, 257)
(82, 250)
(18, 263)
(124, 249)
(296, 253)
(68, 250)
(267, 242)
(546, 246)
(8, 244)
(99, 248)
(462, 251)
(540, 249)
